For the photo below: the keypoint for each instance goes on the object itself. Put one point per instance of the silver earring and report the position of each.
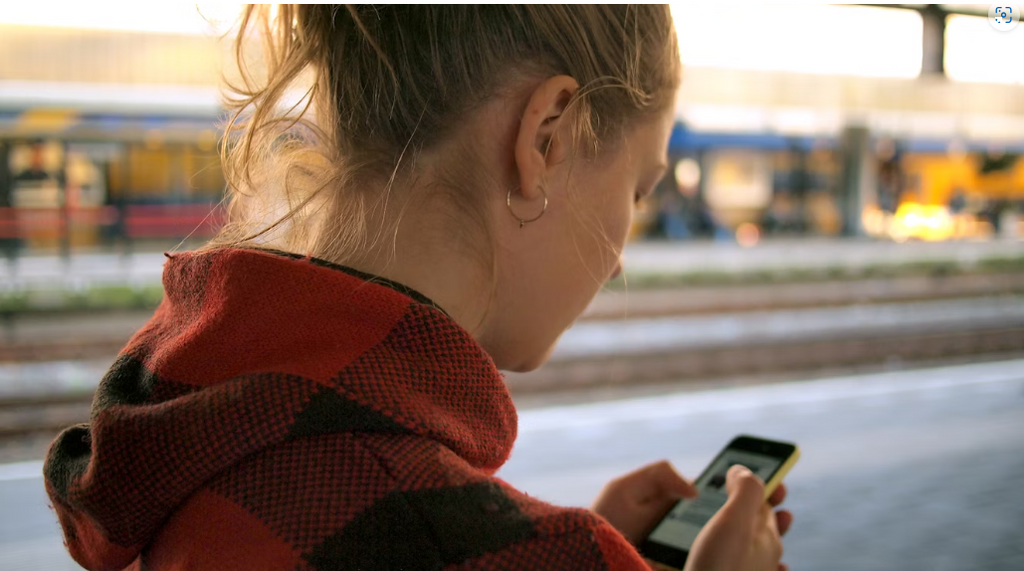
(522, 222)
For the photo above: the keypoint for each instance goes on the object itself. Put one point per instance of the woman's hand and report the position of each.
(634, 503)
(746, 533)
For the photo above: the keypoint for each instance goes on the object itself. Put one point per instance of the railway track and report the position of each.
(39, 418)
(705, 300)
(88, 335)
(824, 325)
(771, 356)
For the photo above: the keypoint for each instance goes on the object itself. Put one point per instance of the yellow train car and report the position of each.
(959, 196)
(937, 178)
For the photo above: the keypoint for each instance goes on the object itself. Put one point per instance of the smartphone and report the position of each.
(670, 541)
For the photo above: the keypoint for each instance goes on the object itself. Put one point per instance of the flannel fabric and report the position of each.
(280, 412)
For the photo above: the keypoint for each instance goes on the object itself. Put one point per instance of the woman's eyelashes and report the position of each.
(639, 195)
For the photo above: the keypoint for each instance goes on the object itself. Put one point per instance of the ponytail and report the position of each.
(341, 96)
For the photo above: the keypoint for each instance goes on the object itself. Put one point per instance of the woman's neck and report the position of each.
(418, 248)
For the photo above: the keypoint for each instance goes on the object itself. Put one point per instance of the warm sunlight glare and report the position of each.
(169, 18)
(808, 38)
(975, 51)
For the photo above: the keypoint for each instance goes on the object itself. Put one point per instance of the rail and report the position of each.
(38, 418)
(80, 335)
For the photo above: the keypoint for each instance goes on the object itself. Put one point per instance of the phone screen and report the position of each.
(680, 527)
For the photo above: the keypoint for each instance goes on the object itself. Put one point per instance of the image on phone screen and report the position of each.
(681, 526)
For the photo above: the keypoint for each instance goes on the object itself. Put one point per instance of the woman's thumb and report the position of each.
(746, 490)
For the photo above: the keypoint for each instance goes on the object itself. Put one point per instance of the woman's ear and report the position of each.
(543, 139)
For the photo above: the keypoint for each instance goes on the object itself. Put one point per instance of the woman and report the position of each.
(319, 388)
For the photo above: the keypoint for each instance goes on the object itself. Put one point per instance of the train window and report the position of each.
(35, 171)
(205, 178)
(150, 171)
(86, 186)
(117, 177)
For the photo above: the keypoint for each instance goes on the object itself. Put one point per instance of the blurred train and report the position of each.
(97, 168)
(82, 172)
(748, 185)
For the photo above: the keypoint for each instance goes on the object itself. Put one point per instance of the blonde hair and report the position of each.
(383, 83)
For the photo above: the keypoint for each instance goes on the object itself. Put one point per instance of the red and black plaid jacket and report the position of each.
(280, 412)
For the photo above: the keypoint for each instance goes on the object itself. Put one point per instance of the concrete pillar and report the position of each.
(933, 41)
(858, 183)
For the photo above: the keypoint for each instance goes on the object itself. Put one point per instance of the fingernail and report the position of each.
(742, 470)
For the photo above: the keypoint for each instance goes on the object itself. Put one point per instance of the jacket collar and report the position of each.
(250, 349)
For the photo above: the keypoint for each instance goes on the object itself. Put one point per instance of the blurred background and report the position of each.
(834, 258)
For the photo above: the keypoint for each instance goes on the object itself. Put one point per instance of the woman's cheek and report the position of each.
(624, 226)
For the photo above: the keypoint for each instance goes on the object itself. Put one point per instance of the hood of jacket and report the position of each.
(249, 349)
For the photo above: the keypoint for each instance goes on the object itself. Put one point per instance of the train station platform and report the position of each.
(834, 258)
(849, 255)
(906, 470)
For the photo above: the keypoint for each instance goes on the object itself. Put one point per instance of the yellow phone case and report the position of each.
(770, 485)
(769, 488)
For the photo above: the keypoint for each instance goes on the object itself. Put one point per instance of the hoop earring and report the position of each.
(522, 222)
